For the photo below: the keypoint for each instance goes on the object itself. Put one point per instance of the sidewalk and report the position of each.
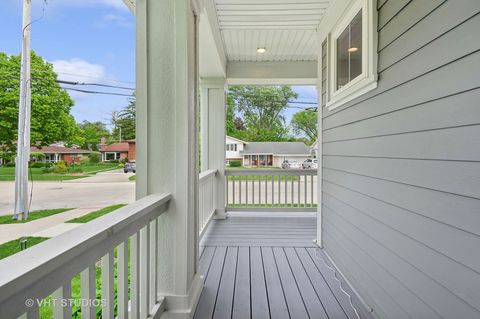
(45, 227)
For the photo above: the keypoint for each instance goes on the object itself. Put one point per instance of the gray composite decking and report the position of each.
(268, 267)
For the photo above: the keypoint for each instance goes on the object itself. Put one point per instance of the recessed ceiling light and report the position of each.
(352, 49)
(261, 50)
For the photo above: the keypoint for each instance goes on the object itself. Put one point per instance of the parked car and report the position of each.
(310, 164)
(130, 167)
(291, 164)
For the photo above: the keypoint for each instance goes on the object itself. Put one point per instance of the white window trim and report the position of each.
(368, 79)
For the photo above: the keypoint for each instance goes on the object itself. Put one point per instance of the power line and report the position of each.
(96, 92)
(94, 84)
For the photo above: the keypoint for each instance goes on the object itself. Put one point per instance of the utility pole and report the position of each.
(24, 113)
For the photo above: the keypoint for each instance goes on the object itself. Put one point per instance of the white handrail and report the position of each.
(206, 199)
(45, 268)
(271, 189)
(207, 174)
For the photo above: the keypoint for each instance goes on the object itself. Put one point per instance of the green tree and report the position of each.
(124, 120)
(262, 109)
(50, 118)
(92, 133)
(305, 123)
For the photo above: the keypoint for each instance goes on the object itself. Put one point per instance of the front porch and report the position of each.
(266, 265)
(396, 196)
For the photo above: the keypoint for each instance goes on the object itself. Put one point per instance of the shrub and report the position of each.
(235, 163)
(123, 160)
(94, 157)
(84, 161)
(121, 165)
(38, 165)
(37, 156)
(60, 167)
(114, 161)
(11, 164)
(48, 169)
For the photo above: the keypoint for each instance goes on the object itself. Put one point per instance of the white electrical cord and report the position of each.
(317, 254)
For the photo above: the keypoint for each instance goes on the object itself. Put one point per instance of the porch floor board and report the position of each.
(268, 267)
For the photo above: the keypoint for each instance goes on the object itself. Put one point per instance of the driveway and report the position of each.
(100, 190)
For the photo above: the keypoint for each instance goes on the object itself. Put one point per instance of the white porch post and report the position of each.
(213, 136)
(204, 129)
(319, 159)
(167, 141)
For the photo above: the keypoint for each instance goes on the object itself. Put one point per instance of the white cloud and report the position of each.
(78, 70)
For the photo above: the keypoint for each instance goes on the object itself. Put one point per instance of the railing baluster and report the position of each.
(122, 281)
(285, 189)
(259, 190)
(253, 190)
(60, 296)
(107, 286)
(293, 191)
(144, 272)
(240, 190)
(305, 190)
(279, 192)
(246, 190)
(134, 276)
(153, 262)
(88, 292)
(311, 189)
(33, 312)
(298, 189)
(227, 182)
(233, 188)
(273, 190)
(266, 190)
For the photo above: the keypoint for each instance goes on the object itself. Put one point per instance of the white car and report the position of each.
(291, 164)
(310, 164)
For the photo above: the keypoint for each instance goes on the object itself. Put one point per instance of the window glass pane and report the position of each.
(349, 52)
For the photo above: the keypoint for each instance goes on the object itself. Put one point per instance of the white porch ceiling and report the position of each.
(286, 28)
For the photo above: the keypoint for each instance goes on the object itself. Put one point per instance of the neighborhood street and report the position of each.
(100, 190)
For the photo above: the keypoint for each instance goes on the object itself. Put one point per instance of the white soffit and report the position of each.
(286, 28)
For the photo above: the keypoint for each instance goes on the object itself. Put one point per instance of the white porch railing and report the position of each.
(206, 201)
(29, 277)
(271, 189)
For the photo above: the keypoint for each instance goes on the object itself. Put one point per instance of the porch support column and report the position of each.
(319, 239)
(167, 142)
(213, 104)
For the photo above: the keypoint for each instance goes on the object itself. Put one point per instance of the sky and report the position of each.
(87, 41)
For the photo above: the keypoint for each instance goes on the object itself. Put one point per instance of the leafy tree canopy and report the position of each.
(124, 122)
(262, 110)
(305, 123)
(92, 133)
(50, 119)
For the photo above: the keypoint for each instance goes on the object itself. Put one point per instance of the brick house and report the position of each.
(58, 152)
(119, 151)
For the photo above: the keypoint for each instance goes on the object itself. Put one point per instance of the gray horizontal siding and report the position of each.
(401, 166)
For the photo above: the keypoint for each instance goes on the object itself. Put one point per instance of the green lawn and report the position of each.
(37, 174)
(7, 219)
(13, 246)
(95, 214)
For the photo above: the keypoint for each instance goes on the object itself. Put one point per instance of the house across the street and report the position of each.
(59, 152)
(118, 151)
(265, 153)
